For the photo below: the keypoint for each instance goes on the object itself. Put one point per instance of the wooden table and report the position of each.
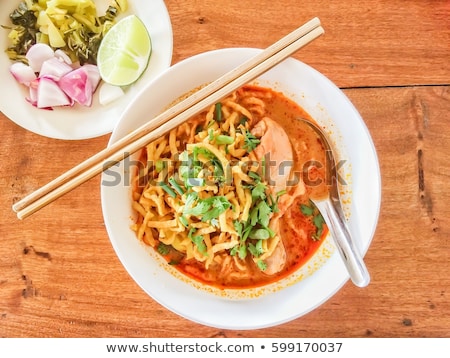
(59, 276)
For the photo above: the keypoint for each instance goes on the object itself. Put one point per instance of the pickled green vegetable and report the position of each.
(70, 25)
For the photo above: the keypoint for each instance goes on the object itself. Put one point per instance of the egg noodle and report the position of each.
(203, 191)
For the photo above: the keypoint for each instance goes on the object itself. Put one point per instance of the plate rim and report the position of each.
(77, 127)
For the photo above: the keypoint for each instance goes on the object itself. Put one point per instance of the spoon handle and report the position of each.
(343, 240)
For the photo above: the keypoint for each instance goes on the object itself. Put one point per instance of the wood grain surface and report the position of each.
(60, 277)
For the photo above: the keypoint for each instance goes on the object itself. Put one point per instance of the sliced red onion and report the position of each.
(109, 93)
(37, 54)
(54, 68)
(33, 92)
(61, 55)
(23, 73)
(49, 94)
(77, 86)
(60, 82)
(93, 75)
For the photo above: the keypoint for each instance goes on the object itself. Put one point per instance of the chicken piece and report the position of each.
(276, 261)
(276, 148)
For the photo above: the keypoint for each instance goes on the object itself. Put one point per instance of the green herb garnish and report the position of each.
(198, 241)
(218, 112)
(260, 214)
(77, 30)
(316, 217)
(307, 210)
(176, 186)
(183, 220)
(259, 191)
(167, 189)
(163, 249)
(261, 265)
(224, 139)
(250, 141)
(211, 135)
(206, 209)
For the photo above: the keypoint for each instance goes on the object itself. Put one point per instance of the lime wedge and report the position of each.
(124, 52)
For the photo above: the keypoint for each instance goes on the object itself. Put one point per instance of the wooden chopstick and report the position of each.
(169, 119)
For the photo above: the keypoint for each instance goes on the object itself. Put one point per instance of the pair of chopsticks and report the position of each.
(169, 119)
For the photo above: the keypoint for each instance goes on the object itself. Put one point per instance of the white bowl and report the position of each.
(320, 277)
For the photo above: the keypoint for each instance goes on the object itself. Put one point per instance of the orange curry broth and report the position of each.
(296, 229)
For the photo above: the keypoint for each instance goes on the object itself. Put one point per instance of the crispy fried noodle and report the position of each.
(210, 194)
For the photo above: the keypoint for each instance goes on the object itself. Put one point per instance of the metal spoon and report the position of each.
(329, 205)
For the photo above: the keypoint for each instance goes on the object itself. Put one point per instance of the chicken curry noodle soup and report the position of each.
(268, 300)
(224, 197)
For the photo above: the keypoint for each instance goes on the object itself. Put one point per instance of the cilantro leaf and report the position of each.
(306, 210)
(215, 222)
(256, 249)
(259, 191)
(183, 221)
(238, 227)
(207, 209)
(199, 209)
(163, 249)
(250, 141)
(318, 222)
(198, 241)
(190, 200)
(217, 205)
(252, 249)
(316, 217)
(190, 168)
(242, 252)
(262, 265)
